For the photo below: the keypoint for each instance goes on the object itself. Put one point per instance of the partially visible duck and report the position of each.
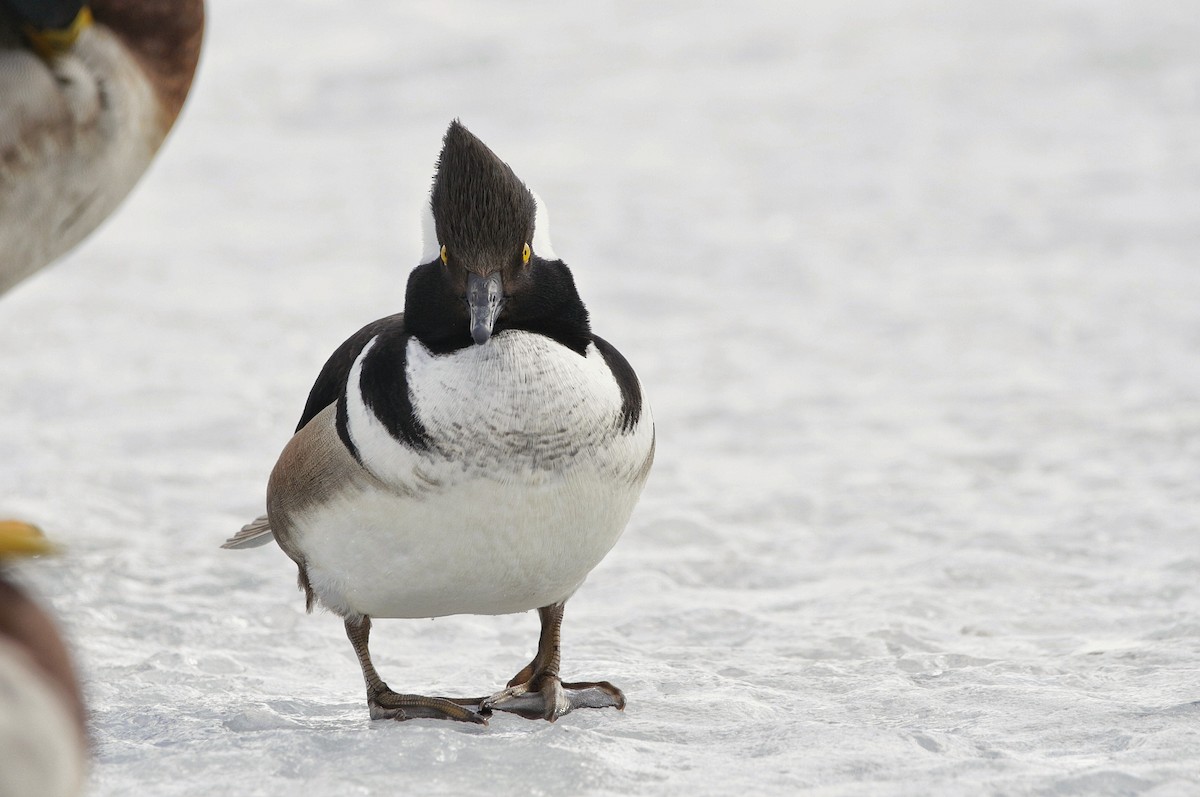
(88, 92)
(43, 743)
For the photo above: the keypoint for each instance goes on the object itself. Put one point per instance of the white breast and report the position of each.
(528, 484)
(76, 140)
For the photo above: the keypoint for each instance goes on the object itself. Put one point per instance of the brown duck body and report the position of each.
(78, 129)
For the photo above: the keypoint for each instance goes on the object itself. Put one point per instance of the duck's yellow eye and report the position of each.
(526, 253)
(445, 258)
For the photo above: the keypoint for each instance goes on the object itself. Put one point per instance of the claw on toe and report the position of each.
(504, 696)
(555, 699)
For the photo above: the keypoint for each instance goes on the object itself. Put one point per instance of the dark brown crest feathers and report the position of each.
(480, 206)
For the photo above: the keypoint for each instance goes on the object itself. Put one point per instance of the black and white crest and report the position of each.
(480, 207)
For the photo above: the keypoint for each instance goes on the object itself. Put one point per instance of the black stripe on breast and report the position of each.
(330, 386)
(627, 381)
(384, 385)
(331, 382)
(342, 424)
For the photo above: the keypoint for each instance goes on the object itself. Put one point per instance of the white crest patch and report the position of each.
(430, 250)
(541, 230)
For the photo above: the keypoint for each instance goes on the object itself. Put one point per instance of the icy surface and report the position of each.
(914, 288)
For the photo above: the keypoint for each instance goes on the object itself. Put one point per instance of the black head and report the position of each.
(486, 275)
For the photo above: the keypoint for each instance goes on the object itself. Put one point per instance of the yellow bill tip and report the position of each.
(53, 42)
(18, 538)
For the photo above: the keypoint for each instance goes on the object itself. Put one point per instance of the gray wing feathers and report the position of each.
(253, 534)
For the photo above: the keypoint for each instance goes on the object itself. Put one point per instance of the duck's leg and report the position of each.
(537, 692)
(386, 704)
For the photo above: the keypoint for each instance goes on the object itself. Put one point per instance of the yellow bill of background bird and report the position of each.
(23, 539)
(52, 42)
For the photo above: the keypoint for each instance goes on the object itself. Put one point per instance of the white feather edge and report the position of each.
(541, 230)
(430, 248)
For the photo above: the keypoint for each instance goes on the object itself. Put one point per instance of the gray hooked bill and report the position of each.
(485, 296)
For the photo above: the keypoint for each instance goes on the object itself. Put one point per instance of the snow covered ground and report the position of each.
(914, 287)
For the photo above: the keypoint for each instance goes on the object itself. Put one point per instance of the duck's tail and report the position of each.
(253, 534)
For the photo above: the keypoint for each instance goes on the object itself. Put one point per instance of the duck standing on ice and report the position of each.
(478, 453)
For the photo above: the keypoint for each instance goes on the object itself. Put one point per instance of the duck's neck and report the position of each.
(549, 306)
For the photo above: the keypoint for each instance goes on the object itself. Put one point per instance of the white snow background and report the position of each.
(914, 289)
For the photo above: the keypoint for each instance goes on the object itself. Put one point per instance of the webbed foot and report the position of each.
(553, 698)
